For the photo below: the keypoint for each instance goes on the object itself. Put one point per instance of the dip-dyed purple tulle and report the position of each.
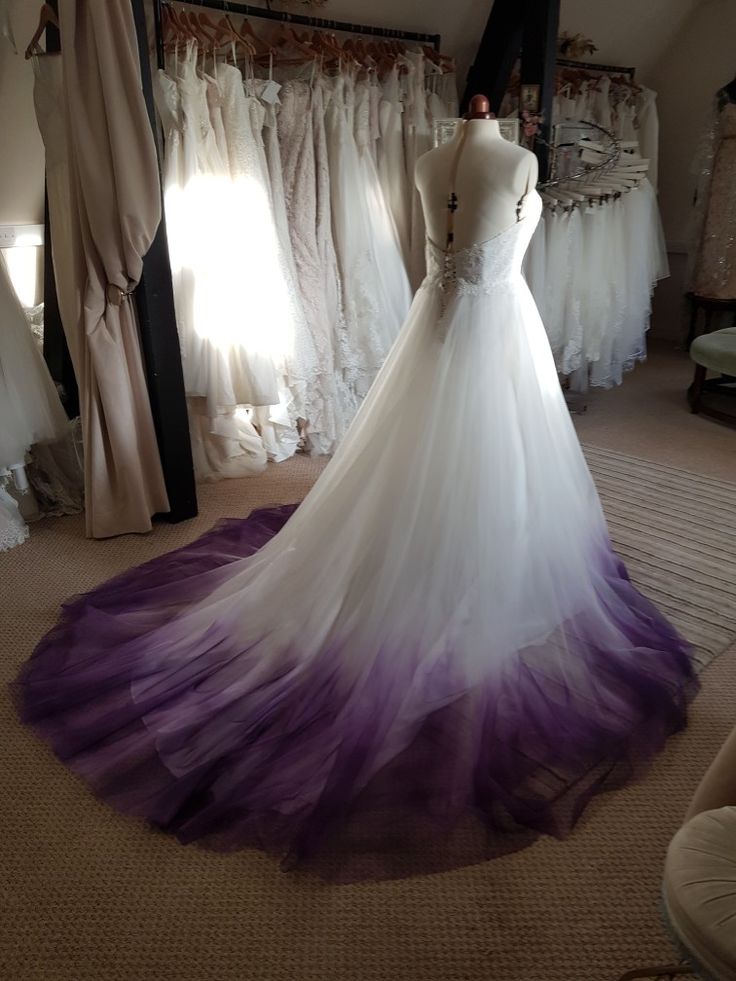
(435, 658)
(520, 753)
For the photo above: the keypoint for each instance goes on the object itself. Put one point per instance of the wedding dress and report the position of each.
(376, 293)
(439, 634)
(392, 161)
(325, 400)
(13, 529)
(224, 363)
(417, 139)
(30, 408)
(714, 262)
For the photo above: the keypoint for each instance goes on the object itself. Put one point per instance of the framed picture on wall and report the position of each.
(529, 98)
(444, 130)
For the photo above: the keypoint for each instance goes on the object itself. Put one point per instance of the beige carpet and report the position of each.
(86, 895)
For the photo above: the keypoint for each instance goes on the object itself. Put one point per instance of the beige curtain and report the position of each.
(116, 204)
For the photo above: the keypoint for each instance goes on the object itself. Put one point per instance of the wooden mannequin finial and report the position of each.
(480, 108)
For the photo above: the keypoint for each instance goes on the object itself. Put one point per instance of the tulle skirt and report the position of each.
(438, 645)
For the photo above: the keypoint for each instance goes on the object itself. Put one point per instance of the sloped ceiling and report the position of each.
(627, 32)
(460, 22)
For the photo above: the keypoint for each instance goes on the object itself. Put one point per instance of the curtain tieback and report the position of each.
(115, 295)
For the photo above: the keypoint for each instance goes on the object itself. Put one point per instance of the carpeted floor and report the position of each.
(88, 896)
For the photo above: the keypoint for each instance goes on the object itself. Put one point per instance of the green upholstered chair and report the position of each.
(699, 887)
(715, 352)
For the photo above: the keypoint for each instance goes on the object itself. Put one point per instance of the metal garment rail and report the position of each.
(285, 16)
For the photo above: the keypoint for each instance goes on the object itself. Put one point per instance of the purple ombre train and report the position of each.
(483, 773)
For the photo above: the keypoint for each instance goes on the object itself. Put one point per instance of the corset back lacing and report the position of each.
(449, 275)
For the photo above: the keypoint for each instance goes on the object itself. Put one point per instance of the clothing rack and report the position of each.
(590, 66)
(247, 10)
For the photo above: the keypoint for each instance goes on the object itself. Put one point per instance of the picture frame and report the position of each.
(530, 98)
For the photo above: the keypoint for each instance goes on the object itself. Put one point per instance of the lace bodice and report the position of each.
(487, 266)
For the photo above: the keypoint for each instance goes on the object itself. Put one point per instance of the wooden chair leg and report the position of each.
(693, 324)
(695, 392)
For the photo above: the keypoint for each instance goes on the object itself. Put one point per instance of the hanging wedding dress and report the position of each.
(714, 261)
(325, 396)
(30, 408)
(376, 293)
(13, 529)
(417, 139)
(224, 360)
(278, 424)
(392, 169)
(440, 633)
(346, 358)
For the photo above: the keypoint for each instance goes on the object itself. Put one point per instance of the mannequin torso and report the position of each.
(491, 178)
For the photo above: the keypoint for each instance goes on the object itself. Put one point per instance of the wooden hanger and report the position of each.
(261, 46)
(46, 16)
(203, 30)
(226, 25)
(206, 26)
(287, 36)
(328, 48)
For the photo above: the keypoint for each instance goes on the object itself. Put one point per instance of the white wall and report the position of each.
(631, 33)
(22, 155)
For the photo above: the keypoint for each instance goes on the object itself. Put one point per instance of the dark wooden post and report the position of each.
(55, 348)
(529, 28)
(497, 52)
(160, 339)
(538, 57)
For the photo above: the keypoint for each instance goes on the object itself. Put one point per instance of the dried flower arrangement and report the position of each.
(575, 46)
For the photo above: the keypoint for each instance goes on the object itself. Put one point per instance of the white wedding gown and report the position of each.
(439, 637)
(376, 293)
(30, 408)
(31, 412)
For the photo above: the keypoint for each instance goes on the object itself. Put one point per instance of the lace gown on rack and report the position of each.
(438, 640)
(224, 363)
(32, 419)
(715, 265)
(418, 140)
(30, 409)
(327, 406)
(376, 293)
(392, 170)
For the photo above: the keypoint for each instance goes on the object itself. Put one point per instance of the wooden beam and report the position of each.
(538, 61)
(160, 339)
(497, 53)
(55, 348)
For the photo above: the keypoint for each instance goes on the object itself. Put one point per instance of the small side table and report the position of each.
(709, 305)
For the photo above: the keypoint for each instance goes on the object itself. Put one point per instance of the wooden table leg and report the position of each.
(693, 324)
(695, 391)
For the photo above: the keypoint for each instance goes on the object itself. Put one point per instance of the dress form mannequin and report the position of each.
(492, 176)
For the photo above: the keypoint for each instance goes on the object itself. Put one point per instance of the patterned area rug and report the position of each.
(676, 532)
